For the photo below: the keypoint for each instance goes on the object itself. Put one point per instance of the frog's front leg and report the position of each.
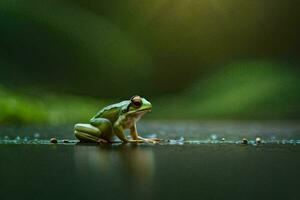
(134, 134)
(119, 132)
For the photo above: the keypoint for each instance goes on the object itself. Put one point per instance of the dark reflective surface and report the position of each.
(207, 171)
(175, 129)
(194, 164)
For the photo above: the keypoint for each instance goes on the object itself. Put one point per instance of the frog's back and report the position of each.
(111, 112)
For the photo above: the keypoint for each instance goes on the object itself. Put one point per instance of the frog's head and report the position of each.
(138, 104)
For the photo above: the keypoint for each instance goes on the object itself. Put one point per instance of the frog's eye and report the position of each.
(137, 104)
(136, 101)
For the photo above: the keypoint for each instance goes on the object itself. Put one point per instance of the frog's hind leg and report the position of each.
(88, 133)
(105, 127)
(85, 137)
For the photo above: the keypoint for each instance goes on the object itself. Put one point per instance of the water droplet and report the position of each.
(213, 137)
(284, 141)
(273, 138)
(251, 142)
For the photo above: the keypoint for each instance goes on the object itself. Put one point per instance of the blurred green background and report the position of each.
(61, 61)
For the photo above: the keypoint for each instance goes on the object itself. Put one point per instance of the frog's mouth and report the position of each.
(141, 111)
(145, 110)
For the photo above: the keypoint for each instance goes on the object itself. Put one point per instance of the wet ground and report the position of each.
(194, 164)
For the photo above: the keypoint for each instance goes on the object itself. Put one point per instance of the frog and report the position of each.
(113, 120)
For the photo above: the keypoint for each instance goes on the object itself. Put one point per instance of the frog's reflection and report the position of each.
(130, 161)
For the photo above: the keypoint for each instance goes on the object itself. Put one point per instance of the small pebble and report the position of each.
(258, 140)
(53, 140)
(65, 141)
(244, 141)
(223, 139)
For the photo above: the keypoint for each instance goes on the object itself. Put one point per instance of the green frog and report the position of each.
(112, 120)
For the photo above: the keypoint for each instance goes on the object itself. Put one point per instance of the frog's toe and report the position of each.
(135, 141)
(102, 141)
(157, 139)
(152, 141)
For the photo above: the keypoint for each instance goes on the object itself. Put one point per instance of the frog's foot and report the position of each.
(150, 140)
(155, 139)
(135, 141)
(102, 141)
